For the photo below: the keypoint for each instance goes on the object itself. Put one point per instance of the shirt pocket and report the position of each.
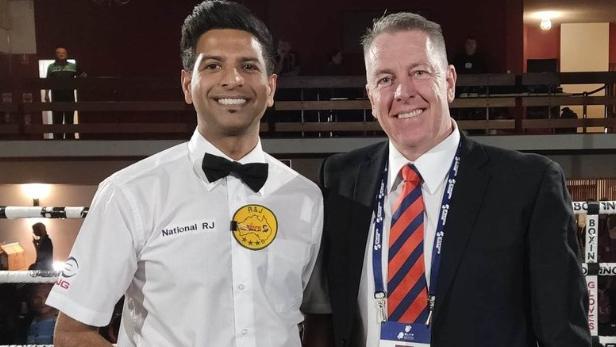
(285, 286)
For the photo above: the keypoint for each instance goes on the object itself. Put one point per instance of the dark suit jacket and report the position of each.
(509, 271)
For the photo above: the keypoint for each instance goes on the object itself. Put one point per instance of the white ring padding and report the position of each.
(14, 212)
(33, 345)
(78, 212)
(605, 269)
(607, 339)
(605, 207)
(32, 276)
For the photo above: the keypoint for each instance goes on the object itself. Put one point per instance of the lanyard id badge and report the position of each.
(394, 334)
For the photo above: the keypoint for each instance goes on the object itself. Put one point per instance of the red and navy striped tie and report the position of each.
(407, 294)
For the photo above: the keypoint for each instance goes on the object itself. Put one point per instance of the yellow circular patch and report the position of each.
(254, 226)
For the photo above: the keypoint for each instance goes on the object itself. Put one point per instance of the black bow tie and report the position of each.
(253, 174)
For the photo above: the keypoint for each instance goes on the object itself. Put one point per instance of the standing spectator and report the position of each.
(469, 61)
(287, 61)
(286, 64)
(61, 69)
(44, 248)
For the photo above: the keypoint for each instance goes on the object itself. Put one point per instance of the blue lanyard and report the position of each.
(379, 285)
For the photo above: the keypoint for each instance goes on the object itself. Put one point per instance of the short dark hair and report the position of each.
(222, 14)
(403, 21)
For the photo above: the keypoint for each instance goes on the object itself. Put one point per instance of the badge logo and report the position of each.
(254, 226)
(71, 266)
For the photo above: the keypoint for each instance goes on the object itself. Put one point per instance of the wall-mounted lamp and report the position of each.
(545, 24)
(545, 18)
(36, 191)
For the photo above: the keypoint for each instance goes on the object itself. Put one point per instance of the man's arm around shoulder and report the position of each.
(72, 333)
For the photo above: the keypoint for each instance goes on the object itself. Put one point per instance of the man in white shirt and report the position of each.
(432, 239)
(213, 241)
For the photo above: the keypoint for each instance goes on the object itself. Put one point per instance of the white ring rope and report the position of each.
(13, 212)
(32, 345)
(605, 207)
(31, 276)
(39, 276)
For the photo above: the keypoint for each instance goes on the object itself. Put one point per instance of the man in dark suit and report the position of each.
(432, 239)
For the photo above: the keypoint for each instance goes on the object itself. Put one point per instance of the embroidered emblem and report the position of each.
(254, 226)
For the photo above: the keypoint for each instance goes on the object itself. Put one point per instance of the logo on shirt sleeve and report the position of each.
(254, 226)
(71, 267)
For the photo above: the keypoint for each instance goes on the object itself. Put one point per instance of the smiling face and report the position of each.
(410, 86)
(228, 86)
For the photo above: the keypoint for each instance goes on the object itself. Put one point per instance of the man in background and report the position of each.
(62, 70)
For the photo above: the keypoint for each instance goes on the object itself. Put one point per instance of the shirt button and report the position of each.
(244, 331)
(241, 287)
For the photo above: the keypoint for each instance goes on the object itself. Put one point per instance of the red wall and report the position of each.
(142, 38)
(315, 31)
(540, 44)
(613, 44)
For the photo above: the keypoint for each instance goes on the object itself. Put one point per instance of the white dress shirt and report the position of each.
(159, 232)
(433, 166)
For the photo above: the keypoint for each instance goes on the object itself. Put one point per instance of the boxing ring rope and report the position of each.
(14, 212)
(591, 267)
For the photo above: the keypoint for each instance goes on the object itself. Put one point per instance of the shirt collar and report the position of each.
(198, 146)
(433, 165)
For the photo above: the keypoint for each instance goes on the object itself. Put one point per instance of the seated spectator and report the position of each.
(9, 309)
(43, 317)
(334, 65)
(44, 248)
(567, 113)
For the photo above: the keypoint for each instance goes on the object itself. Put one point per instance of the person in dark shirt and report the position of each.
(334, 65)
(287, 60)
(62, 69)
(469, 62)
(44, 248)
(42, 317)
